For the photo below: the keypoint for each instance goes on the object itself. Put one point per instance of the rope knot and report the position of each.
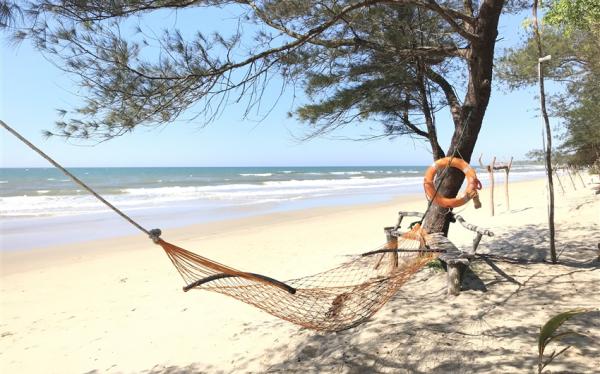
(155, 235)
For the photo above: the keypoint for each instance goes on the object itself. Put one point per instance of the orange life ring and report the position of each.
(473, 184)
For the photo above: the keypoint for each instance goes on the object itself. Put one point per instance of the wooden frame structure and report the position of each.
(454, 261)
(506, 166)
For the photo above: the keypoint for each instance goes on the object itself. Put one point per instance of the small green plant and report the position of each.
(549, 334)
(435, 265)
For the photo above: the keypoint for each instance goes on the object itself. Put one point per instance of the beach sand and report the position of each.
(117, 306)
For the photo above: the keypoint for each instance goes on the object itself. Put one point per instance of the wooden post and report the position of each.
(507, 171)
(391, 243)
(456, 266)
(571, 178)
(456, 263)
(491, 168)
(580, 177)
(476, 241)
(562, 189)
(491, 173)
(454, 280)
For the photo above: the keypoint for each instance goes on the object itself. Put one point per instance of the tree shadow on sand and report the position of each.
(530, 243)
(491, 326)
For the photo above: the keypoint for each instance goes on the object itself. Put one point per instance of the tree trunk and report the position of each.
(468, 123)
(461, 147)
(548, 155)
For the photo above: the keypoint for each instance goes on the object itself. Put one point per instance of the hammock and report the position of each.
(333, 300)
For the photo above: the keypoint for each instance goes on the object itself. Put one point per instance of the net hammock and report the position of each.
(333, 300)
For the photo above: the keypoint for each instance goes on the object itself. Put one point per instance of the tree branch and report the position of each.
(453, 102)
(406, 122)
(426, 109)
(426, 51)
(296, 35)
(304, 38)
(441, 51)
(448, 14)
(99, 13)
(468, 5)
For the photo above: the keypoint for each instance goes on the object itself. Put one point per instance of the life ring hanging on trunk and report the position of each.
(473, 184)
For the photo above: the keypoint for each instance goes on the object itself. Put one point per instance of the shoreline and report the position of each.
(25, 234)
(26, 259)
(18, 260)
(204, 230)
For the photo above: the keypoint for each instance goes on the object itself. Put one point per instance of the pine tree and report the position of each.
(397, 61)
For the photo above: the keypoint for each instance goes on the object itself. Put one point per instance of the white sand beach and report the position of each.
(116, 305)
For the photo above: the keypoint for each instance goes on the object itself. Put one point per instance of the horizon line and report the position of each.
(229, 166)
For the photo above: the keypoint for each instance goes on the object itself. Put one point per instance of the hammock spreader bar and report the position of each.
(214, 277)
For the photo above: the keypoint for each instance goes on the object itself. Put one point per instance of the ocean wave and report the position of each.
(527, 167)
(256, 174)
(237, 194)
(47, 205)
(345, 172)
(48, 201)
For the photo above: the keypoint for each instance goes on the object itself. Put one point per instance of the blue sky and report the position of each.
(32, 88)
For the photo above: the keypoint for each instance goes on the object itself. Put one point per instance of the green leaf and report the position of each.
(547, 332)
(557, 337)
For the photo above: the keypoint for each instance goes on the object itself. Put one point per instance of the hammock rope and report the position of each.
(333, 300)
(77, 180)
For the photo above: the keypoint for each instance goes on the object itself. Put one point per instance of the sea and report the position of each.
(43, 207)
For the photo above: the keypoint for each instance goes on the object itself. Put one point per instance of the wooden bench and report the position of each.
(455, 261)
